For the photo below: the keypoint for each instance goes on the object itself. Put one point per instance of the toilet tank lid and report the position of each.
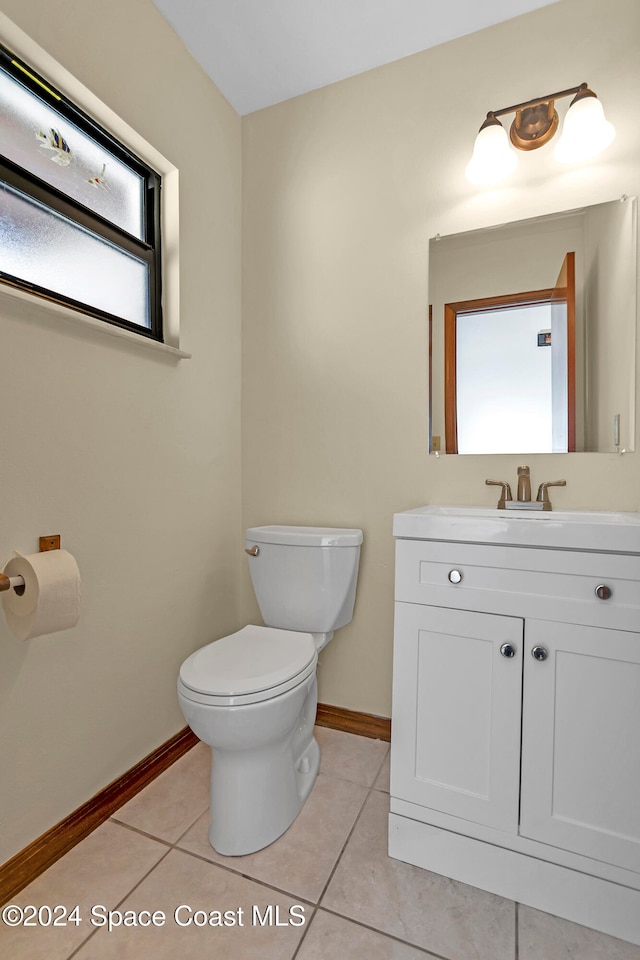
(306, 536)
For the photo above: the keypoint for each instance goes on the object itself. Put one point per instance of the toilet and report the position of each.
(252, 695)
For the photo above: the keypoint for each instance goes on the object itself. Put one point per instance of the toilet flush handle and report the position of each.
(253, 551)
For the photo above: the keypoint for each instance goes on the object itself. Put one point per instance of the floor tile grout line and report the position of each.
(121, 901)
(388, 936)
(142, 833)
(245, 876)
(338, 776)
(371, 789)
(304, 901)
(344, 845)
(334, 912)
(305, 932)
(191, 825)
(382, 763)
(152, 836)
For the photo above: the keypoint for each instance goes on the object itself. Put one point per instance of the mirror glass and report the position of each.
(532, 334)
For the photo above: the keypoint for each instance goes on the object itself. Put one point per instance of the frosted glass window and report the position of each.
(80, 213)
(43, 141)
(44, 248)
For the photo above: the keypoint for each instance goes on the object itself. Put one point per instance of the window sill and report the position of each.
(38, 308)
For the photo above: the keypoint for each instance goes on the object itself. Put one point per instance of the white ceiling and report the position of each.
(259, 52)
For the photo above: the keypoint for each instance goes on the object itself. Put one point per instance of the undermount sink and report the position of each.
(560, 529)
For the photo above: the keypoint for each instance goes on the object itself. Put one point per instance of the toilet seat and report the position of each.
(252, 665)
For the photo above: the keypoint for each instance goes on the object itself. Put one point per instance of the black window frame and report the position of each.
(148, 249)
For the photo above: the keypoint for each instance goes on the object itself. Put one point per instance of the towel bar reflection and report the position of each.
(16, 582)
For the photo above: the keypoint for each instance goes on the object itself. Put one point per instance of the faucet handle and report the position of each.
(506, 491)
(543, 491)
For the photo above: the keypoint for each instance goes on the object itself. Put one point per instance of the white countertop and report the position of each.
(558, 529)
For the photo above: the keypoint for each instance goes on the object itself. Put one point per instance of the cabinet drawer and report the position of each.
(548, 584)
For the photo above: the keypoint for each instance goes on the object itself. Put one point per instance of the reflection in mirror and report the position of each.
(533, 328)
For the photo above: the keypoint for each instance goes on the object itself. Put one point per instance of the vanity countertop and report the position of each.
(558, 529)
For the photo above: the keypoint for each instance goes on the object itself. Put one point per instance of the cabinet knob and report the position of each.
(603, 592)
(539, 653)
(454, 576)
(508, 650)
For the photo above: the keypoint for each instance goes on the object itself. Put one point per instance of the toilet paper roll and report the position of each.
(51, 598)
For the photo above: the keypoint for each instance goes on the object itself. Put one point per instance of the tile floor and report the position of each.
(329, 875)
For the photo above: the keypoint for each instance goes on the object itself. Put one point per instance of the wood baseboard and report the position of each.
(350, 721)
(43, 852)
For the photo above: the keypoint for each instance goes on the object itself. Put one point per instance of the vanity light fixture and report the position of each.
(585, 133)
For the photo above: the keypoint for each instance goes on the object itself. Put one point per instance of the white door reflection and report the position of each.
(504, 380)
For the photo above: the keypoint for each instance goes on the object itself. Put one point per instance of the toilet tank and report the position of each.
(304, 578)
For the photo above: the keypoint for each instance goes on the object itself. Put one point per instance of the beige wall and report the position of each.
(133, 458)
(343, 188)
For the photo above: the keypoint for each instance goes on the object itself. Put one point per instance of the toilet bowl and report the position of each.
(252, 695)
(252, 698)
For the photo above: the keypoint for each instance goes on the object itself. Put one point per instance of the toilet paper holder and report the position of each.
(7, 582)
(45, 543)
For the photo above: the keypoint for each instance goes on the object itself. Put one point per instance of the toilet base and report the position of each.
(262, 819)
(259, 783)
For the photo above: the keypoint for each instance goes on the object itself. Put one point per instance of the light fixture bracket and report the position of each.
(534, 126)
(536, 121)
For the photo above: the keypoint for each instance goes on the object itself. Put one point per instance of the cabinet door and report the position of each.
(581, 741)
(456, 713)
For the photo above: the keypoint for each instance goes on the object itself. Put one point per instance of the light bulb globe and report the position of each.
(493, 159)
(585, 132)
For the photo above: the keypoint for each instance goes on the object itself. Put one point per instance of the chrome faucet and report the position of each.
(523, 501)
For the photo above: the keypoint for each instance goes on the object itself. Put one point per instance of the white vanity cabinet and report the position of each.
(456, 719)
(515, 752)
(581, 742)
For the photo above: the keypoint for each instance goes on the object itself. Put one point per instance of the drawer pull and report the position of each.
(508, 650)
(454, 576)
(603, 592)
(539, 653)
